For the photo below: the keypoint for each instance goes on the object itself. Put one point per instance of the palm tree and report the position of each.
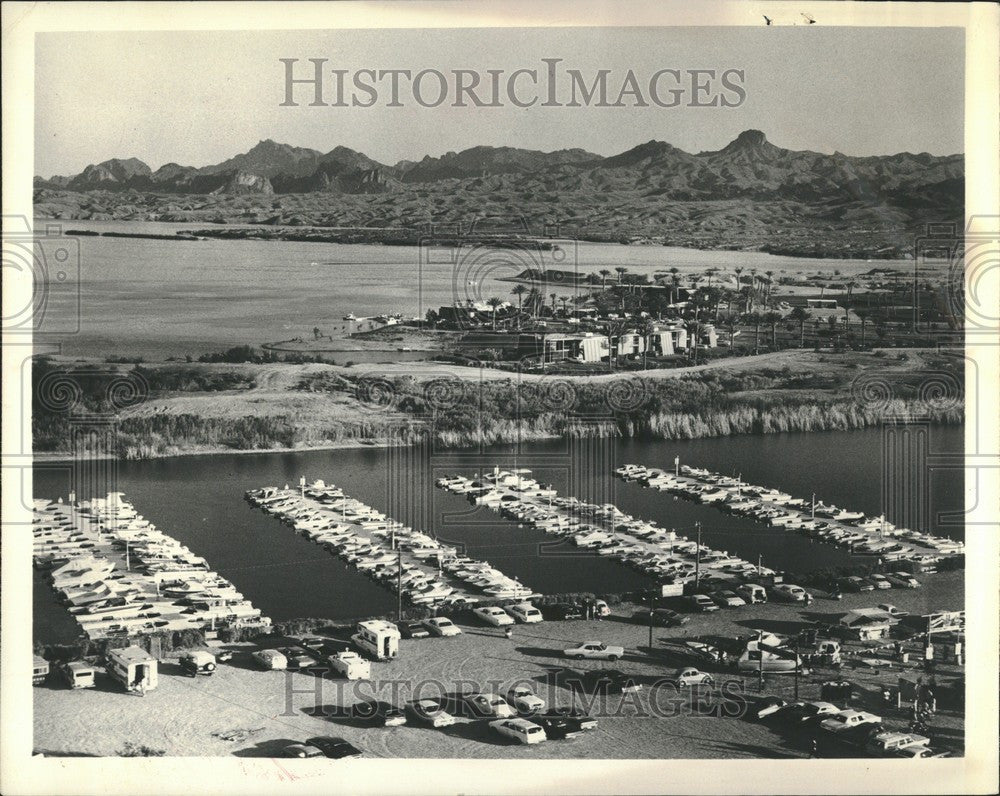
(770, 281)
(605, 273)
(801, 314)
(675, 281)
(739, 270)
(773, 318)
(553, 297)
(494, 302)
(564, 299)
(711, 273)
(621, 269)
(534, 299)
(755, 319)
(519, 290)
(863, 315)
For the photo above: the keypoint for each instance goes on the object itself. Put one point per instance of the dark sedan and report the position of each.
(558, 728)
(334, 747)
(378, 712)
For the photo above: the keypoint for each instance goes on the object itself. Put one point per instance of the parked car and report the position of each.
(884, 744)
(848, 719)
(892, 610)
(521, 730)
(753, 593)
(412, 630)
(916, 753)
(562, 611)
(727, 599)
(442, 626)
(768, 707)
(524, 612)
(558, 728)
(662, 617)
(197, 662)
(879, 581)
(492, 615)
(302, 750)
(601, 608)
(270, 659)
(333, 747)
(789, 593)
(477, 705)
(379, 712)
(524, 699)
(799, 713)
(572, 715)
(297, 660)
(688, 676)
(601, 681)
(855, 584)
(430, 712)
(596, 650)
(903, 579)
(702, 603)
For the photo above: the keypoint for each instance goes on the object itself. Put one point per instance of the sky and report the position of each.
(197, 98)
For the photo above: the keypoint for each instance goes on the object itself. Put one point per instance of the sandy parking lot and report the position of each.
(184, 716)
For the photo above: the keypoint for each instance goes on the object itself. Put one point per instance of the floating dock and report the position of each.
(670, 558)
(873, 536)
(119, 575)
(409, 562)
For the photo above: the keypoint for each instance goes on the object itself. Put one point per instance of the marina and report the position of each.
(854, 530)
(660, 553)
(119, 575)
(421, 570)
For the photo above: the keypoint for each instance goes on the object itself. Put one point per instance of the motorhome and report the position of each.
(134, 668)
(377, 638)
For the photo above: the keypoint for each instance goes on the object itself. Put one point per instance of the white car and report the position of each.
(904, 579)
(270, 659)
(892, 610)
(521, 730)
(880, 581)
(441, 626)
(849, 718)
(492, 615)
(490, 705)
(525, 612)
(525, 700)
(689, 676)
(350, 665)
(597, 650)
(789, 592)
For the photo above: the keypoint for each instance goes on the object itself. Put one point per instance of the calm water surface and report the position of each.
(199, 500)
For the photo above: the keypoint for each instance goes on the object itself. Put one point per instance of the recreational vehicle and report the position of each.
(78, 674)
(377, 638)
(134, 668)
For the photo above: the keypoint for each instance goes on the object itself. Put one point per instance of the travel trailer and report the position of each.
(78, 674)
(134, 668)
(40, 671)
(377, 638)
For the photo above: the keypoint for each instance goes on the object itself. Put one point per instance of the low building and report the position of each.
(664, 342)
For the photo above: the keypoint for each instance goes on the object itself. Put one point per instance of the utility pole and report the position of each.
(697, 558)
(760, 661)
(813, 510)
(652, 601)
(796, 668)
(760, 558)
(677, 466)
(399, 585)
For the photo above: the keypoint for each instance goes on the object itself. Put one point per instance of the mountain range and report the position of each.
(750, 183)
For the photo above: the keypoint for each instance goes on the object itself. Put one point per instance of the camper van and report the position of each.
(78, 674)
(377, 638)
(40, 670)
(752, 593)
(134, 668)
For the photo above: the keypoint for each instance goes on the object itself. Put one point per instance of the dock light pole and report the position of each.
(760, 661)
(399, 585)
(697, 558)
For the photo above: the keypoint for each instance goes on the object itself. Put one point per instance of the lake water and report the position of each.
(159, 299)
(199, 500)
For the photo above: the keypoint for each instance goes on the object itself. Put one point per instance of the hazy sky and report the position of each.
(199, 98)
